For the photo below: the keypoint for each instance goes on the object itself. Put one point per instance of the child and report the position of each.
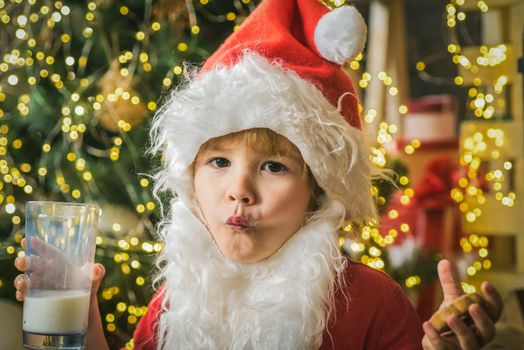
(265, 159)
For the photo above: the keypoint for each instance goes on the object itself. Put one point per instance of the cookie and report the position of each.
(457, 307)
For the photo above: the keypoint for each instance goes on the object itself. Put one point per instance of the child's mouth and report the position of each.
(238, 223)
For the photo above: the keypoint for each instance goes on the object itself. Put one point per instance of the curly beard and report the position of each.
(282, 302)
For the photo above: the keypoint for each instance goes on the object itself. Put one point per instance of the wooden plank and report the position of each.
(489, 74)
(497, 219)
(397, 65)
(516, 24)
(505, 282)
(513, 147)
(378, 29)
(471, 5)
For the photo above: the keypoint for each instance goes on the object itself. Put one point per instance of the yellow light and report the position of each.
(459, 80)
(111, 327)
(470, 217)
(403, 109)
(374, 251)
(230, 16)
(416, 143)
(87, 176)
(124, 10)
(147, 247)
(140, 36)
(182, 46)
(404, 200)
(393, 214)
(409, 192)
(25, 167)
(126, 270)
(110, 318)
(409, 149)
(17, 144)
(76, 194)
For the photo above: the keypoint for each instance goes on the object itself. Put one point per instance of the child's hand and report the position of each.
(484, 316)
(22, 263)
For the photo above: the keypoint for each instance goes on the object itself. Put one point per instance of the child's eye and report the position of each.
(274, 167)
(219, 162)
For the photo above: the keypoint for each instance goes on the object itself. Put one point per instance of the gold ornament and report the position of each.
(121, 104)
(172, 11)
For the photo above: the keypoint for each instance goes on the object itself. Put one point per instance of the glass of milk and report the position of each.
(60, 246)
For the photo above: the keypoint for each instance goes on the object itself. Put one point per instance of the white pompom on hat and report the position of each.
(280, 70)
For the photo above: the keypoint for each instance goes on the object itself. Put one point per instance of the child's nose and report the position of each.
(242, 190)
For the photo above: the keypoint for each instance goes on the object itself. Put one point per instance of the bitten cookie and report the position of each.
(457, 307)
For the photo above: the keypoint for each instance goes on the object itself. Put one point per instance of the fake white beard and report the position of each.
(282, 302)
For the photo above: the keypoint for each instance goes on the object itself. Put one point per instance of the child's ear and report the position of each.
(316, 194)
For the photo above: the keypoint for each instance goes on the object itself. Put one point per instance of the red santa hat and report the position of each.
(281, 70)
(307, 38)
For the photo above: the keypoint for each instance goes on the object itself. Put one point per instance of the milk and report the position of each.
(56, 312)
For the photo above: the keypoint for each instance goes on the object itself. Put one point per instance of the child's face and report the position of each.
(252, 202)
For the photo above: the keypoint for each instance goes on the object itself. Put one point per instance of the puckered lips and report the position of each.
(238, 223)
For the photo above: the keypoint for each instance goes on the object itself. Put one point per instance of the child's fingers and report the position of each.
(449, 280)
(20, 296)
(483, 323)
(493, 301)
(20, 283)
(22, 263)
(466, 338)
(432, 338)
(98, 273)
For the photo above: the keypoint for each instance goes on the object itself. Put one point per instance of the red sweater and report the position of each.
(377, 315)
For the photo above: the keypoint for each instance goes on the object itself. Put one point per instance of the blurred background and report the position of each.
(441, 90)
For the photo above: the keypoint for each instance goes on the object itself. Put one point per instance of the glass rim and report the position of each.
(72, 204)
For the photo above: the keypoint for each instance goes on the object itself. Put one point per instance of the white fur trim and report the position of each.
(257, 94)
(282, 302)
(340, 34)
